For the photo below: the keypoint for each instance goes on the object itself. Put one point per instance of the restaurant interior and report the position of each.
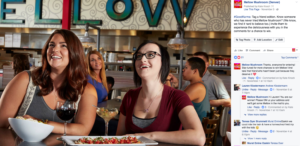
(117, 47)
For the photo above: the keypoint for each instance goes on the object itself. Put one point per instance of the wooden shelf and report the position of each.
(11, 49)
(21, 48)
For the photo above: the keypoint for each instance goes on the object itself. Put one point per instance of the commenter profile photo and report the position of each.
(237, 123)
(237, 87)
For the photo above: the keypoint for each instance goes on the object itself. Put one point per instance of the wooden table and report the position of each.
(9, 138)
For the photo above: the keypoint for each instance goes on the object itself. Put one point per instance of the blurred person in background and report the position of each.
(215, 88)
(193, 72)
(62, 77)
(97, 76)
(20, 63)
(155, 110)
(31, 60)
(110, 84)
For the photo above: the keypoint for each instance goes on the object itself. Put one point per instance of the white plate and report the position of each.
(228, 136)
(145, 141)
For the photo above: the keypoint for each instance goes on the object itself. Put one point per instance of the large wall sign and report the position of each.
(178, 11)
(202, 15)
(5, 11)
(76, 15)
(153, 19)
(113, 14)
(38, 15)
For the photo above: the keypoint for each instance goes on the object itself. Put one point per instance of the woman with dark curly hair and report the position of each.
(20, 63)
(62, 77)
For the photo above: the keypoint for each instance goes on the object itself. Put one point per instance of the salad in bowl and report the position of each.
(30, 130)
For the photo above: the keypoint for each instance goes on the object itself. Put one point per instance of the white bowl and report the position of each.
(30, 131)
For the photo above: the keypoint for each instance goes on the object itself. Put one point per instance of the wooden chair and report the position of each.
(215, 112)
(211, 127)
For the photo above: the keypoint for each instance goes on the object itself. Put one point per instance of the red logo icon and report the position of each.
(293, 49)
(237, 66)
(239, 57)
(254, 73)
(238, 3)
(244, 97)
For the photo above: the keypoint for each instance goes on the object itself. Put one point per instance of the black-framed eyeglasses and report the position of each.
(148, 55)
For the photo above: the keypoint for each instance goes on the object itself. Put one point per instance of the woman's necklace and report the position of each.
(147, 109)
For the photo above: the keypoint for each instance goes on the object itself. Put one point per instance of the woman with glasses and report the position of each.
(154, 110)
(97, 76)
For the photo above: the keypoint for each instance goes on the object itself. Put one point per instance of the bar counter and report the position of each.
(9, 138)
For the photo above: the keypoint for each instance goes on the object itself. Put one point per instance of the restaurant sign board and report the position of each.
(102, 12)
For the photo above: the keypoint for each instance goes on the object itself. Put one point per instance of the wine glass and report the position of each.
(65, 110)
(107, 114)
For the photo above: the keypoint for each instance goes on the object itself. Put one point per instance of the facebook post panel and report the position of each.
(265, 72)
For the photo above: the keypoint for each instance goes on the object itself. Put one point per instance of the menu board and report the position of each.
(8, 40)
(16, 40)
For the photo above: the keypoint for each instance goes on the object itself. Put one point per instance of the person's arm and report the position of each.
(168, 83)
(192, 134)
(85, 117)
(106, 98)
(173, 80)
(219, 102)
(8, 137)
(11, 100)
(196, 92)
(220, 89)
(219, 95)
(168, 80)
(121, 130)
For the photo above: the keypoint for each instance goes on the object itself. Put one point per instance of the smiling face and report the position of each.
(57, 52)
(148, 68)
(95, 62)
(188, 72)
